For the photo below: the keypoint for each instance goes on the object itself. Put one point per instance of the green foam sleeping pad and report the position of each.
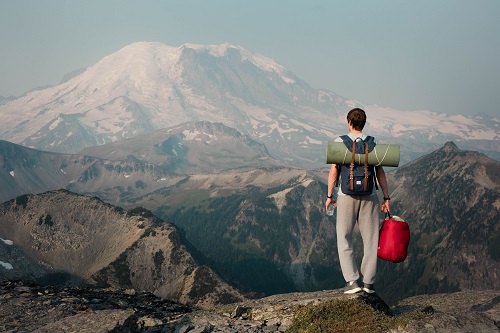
(382, 154)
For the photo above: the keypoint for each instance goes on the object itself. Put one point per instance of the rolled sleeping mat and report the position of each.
(382, 154)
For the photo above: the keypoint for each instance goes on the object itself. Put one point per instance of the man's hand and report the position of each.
(328, 202)
(385, 207)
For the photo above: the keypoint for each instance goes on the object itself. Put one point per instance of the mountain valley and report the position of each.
(271, 220)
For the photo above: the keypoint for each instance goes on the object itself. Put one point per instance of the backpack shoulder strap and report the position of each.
(347, 141)
(351, 166)
(371, 142)
(346, 138)
(365, 185)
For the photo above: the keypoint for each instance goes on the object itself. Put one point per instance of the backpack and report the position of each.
(358, 179)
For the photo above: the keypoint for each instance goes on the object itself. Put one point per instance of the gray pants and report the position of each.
(365, 210)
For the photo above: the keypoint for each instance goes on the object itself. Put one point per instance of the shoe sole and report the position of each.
(353, 291)
(368, 291)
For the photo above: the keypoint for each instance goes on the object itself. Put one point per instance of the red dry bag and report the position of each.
(394, 239)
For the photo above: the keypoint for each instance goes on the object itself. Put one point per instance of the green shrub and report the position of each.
(347, 316)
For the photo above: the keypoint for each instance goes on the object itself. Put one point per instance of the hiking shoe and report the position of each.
(368, 288)
(352, 287)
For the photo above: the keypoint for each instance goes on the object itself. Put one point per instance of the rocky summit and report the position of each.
(27, 307)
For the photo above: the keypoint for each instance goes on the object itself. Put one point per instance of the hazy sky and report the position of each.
(439, 55)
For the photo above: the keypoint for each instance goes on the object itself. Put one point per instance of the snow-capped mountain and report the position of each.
(147, 86)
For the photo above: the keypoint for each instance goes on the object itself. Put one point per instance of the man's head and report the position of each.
(357, 119)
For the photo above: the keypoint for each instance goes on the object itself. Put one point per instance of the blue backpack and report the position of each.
(358, 179)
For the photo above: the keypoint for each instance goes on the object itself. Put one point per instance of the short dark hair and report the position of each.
(357, 119)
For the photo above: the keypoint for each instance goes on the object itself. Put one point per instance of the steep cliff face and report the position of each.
(84, 240)
(158, 262)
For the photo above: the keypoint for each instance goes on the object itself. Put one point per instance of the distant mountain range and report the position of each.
(148, 86)
(132, 167)
(271, 220)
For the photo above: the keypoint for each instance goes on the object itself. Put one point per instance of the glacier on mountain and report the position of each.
(148, 85)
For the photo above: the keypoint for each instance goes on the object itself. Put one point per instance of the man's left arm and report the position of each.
(382, 180)
(332, 178)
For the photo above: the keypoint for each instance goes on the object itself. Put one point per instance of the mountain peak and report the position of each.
(451, 147)
(214, 49)
(147, 46)
(228, 49)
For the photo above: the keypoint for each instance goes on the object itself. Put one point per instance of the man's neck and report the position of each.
(352, 130)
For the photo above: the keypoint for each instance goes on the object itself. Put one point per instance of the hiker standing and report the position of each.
(360, 208)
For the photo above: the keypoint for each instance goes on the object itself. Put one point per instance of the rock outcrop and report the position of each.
(27, 307)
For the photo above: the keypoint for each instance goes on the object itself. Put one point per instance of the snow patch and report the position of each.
(55, 123)
(6, 241)
(6, 265)
(198, 136)
(312, 141)
(280, 197)
(12, 173)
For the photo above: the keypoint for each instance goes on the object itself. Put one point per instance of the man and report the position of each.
(363, 209)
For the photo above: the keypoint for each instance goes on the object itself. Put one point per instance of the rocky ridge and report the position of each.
(70, 239)
(132, 168)
(26, 307)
